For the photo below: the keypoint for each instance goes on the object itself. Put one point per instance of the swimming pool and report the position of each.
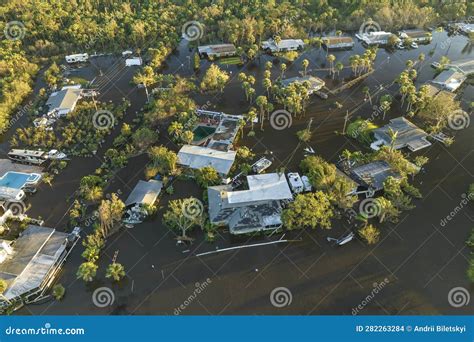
(18, 180)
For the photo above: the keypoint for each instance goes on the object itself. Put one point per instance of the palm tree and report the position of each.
(252, 115)
(393, 138)
(282, 69)
(339, 68)
(115, 271)
(262, 103)
(147, 78)
(305, 64)
(267, 84)
(331, 58)
(87, 271)
(366, 91)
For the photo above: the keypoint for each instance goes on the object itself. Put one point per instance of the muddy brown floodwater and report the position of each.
(417, 260)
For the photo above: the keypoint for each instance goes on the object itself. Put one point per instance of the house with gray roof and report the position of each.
(408, 135)
(217, 50)
(31, 262)
(373, 175)
(197, 157)
(283, 45)
(144, 193)
(450, 79)
(62, 102)
(256, 208)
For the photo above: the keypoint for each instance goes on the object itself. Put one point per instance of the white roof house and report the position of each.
(255, 209)
(144, 193)
(450, 79)
(283, 45)
(79, 57)
(263, 187)
(36, 253)
(376, 38)
(197, 157)
(62, 102)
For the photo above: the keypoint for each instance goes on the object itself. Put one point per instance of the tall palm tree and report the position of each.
(115, 271)
(331, 58)
(305, 64)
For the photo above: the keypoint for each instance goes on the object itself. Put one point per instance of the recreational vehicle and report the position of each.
(34, 157)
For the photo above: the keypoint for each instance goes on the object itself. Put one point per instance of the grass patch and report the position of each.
(231, 61)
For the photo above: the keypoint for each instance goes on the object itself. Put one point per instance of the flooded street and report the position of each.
(418, 260)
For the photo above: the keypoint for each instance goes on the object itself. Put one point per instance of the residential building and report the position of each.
(315, 83)
(373, 175)
(335, 42)
(376, 38)
(144, 193)
(62, 102)
(31, 262)
(256, 208)
(283, 45)
(142, 197)
(408, 135)
(217, 50)
(464, 66)
(197, 157)
(418, 36)
(450, 79)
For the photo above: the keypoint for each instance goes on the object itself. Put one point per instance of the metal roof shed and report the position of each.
(144, 193)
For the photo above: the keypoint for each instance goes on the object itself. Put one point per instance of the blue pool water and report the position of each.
(17, 179)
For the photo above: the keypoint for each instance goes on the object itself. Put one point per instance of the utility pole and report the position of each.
(345, 122)
(114, 259)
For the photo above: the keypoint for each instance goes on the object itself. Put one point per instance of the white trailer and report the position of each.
(77, 58)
